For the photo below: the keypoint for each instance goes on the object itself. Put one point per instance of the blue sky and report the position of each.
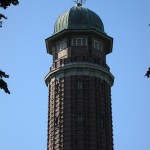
(23, 113)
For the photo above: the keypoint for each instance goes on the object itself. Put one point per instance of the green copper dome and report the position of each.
(79, 17)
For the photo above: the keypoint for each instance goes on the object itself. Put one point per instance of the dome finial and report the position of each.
(79, 2)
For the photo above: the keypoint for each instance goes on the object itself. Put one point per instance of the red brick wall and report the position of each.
(82, 118)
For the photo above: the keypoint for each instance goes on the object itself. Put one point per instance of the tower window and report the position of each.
(101, 89)
(80, 119)
(61, 45)
(102, 122)
(79, 42)
(79, 84)
(97, 45)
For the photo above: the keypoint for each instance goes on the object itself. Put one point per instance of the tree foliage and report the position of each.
(148, 73)
(3, 84)
(4, 4)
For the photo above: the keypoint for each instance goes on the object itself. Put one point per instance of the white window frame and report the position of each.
(79, 41)
(61, 45)
(97, 45)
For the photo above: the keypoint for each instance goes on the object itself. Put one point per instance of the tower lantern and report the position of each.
(79, 83)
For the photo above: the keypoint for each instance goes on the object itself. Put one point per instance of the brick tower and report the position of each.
(79, 83)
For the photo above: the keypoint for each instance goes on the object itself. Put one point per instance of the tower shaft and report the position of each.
(79, 83)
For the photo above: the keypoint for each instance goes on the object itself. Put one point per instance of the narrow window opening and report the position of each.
(80, 119)
(101, 89)
(102, 122)
(80, 85)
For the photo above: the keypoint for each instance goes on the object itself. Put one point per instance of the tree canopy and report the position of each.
(4, 4)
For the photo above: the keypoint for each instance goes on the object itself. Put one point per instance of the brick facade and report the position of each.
(80, 114)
